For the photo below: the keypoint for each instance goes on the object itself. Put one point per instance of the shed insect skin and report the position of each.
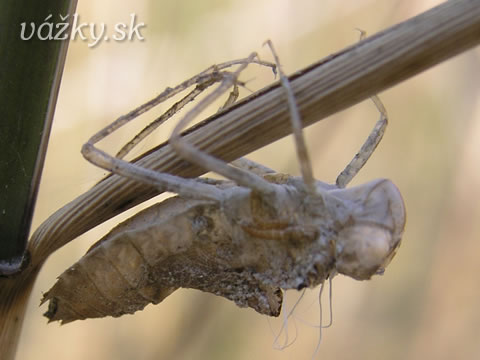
(218, 250)
(245, 240)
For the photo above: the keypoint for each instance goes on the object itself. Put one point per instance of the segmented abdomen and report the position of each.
(173, 244)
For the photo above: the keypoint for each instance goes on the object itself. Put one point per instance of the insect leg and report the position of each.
(302, 152)
(367, 148)
(185, 187)
(169, 92)
(191, 154)
(232, 97)
(203, 81)
(244, 163)
(252, 166)
(162, 118)
(189, 188)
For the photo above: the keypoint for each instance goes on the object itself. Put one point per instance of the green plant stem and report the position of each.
(30, 73)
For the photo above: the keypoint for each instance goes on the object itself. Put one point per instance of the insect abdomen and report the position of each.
(170, 245)
(117, 275)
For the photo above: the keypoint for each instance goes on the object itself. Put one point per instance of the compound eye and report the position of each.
(363, 250)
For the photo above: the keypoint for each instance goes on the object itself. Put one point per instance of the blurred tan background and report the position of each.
(426, 304)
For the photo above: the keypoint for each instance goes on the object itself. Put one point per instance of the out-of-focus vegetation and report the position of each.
(26, 115)
(425, 305)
